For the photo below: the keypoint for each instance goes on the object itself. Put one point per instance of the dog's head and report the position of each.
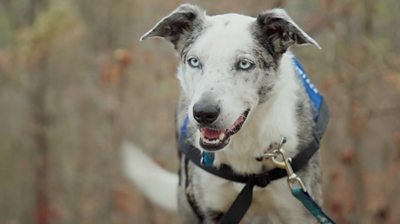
(229, 64)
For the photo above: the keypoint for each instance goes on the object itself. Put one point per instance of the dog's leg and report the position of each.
(185, 210)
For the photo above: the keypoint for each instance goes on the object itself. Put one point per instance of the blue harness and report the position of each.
(241, 204)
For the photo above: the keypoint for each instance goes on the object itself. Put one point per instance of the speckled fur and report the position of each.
(279, 106)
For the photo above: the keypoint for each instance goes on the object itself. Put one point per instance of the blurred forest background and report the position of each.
(75, 82)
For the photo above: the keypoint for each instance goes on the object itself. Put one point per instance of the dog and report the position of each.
(240, 95)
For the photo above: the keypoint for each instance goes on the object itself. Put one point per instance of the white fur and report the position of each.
(270, 122)
(217, 52)
(158, 184)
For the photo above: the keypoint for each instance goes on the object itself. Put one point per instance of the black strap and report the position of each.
(226, 172)
(240, 206)
(243, 201)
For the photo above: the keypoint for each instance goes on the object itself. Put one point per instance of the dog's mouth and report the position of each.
(213, 139)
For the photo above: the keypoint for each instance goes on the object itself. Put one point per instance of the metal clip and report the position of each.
(273, 154)
(285, 163)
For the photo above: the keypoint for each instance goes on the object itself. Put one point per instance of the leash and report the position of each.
(285, 168)
(299, 191)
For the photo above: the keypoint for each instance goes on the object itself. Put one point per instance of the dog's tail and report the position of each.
(159, 185)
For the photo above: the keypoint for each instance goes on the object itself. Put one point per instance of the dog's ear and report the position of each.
(280, 31)
(178, 25)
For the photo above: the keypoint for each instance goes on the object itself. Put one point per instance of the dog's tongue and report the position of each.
(211, 133)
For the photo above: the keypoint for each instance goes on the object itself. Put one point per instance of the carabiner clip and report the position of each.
(285, 163)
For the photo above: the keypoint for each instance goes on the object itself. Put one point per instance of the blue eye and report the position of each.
(194, 62)
(245, 65)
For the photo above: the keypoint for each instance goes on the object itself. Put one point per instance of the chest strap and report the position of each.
(243, 201)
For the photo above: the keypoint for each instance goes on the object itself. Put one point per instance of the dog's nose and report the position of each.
(205, 112)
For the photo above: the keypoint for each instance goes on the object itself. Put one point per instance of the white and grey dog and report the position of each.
(241, 93)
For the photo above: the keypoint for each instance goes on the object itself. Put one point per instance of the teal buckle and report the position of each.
(207, 158)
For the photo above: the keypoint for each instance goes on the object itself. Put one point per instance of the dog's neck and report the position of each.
(268, 123)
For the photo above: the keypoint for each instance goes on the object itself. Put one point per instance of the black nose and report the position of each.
(205, 112)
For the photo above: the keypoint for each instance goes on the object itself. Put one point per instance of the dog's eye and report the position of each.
(194, 62)
(245, 65)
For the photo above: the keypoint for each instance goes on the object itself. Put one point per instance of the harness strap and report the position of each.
(262, 179)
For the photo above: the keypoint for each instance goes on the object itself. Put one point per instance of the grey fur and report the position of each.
(276, 32)
(178, 26)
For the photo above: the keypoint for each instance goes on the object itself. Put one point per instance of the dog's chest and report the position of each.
(273, 204)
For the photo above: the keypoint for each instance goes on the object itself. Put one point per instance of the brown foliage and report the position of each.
(75, 82)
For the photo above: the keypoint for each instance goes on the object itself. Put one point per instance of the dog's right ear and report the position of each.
(178, 25)
(278, 31)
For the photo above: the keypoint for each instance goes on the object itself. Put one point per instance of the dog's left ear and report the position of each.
(177, 26)
(281, 32)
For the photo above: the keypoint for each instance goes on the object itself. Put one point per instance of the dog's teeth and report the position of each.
(209, 141)
(221, 136)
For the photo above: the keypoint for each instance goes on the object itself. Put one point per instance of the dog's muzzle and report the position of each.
(206, 113)
(212, 139)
